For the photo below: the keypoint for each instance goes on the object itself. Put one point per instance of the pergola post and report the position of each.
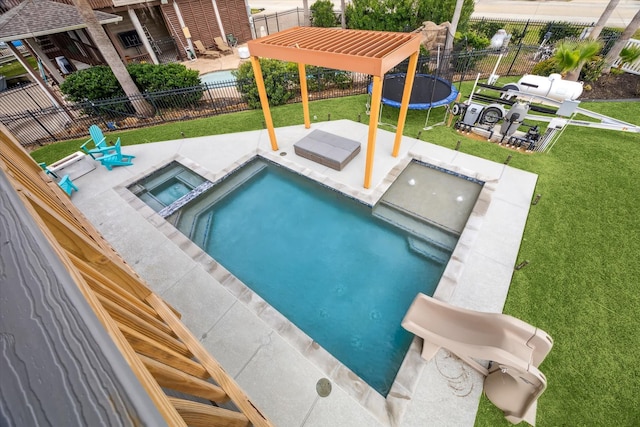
(404, 106)
(376, 97)
(264, 101)
(304, 94)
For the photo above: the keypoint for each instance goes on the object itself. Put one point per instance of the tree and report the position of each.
(622, 42)
(305, 8)
(571, 56)
(603, 19)
(343, 16)
(403, 15)
(322, 14)
(110, 55)
(597, 29)
(454, 27)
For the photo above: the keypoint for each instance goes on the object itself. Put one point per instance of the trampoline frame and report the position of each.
(423, 105)
(418, 106)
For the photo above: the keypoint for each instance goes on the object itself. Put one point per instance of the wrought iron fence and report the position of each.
(535, 33)
(38, 126)
(33, 125)
(265, 24)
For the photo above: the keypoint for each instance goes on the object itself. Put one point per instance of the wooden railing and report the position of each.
(160, 350)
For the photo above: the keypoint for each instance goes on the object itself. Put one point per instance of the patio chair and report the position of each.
(100, 146)
(232, 41)
(221, 46)
(116, 159)
(43, 165)
(203, 51)
(65, 183)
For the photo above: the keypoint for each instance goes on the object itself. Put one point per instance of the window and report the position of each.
(129, 39)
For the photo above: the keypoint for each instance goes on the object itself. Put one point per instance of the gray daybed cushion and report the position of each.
(327, 149)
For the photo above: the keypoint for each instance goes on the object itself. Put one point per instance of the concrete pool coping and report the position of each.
(276, 364)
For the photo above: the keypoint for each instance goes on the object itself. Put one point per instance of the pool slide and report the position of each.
(514, 348)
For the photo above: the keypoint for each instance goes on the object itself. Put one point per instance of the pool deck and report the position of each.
(275, 363)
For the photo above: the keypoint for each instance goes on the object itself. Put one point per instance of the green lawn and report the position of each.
(582, 242)
(14, 68)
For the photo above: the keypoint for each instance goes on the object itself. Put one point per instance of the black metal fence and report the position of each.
(35, 125)
(529, 32)
(265, 24)
(35, 122)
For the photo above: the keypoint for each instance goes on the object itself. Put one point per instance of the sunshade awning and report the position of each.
(369, 52)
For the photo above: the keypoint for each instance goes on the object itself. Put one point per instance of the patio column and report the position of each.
(219, 20)
(185, 31)
(264, 101)
(404, 106)
(36, 77)
(143, 37)
(376, 97)
(304, 94)
(46, 62)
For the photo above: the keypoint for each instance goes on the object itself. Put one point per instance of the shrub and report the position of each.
(165, 78)
(403, 15)
(281, 81)
(100, 83)
(465, 45)
(486, 28)
(546, 67)
(319, 78)
(155, 78)
(592, 70)
(629, 55)
(93, 83)
(322, 14)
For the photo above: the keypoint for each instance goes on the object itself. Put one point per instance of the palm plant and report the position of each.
(571, 56)
(629, 55)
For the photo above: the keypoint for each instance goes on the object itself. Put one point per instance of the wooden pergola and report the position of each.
(369, 52)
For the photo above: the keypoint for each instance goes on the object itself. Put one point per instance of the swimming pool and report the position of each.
(343, 276)
(218, 77)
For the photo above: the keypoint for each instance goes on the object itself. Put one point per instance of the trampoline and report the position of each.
(428, 92)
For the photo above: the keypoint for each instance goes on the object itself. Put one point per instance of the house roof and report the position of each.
(33, 18)
(370, 52)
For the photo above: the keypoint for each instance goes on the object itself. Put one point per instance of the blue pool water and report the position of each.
(171, 191)
(216, 77)
(342, 276)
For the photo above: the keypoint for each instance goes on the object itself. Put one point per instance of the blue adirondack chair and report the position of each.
(65, 183)
(117, 158)
(100, 146)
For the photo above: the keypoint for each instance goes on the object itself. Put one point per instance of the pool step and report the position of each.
(415, 226)
(428, 250)
(190, 215)
(201, 229)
